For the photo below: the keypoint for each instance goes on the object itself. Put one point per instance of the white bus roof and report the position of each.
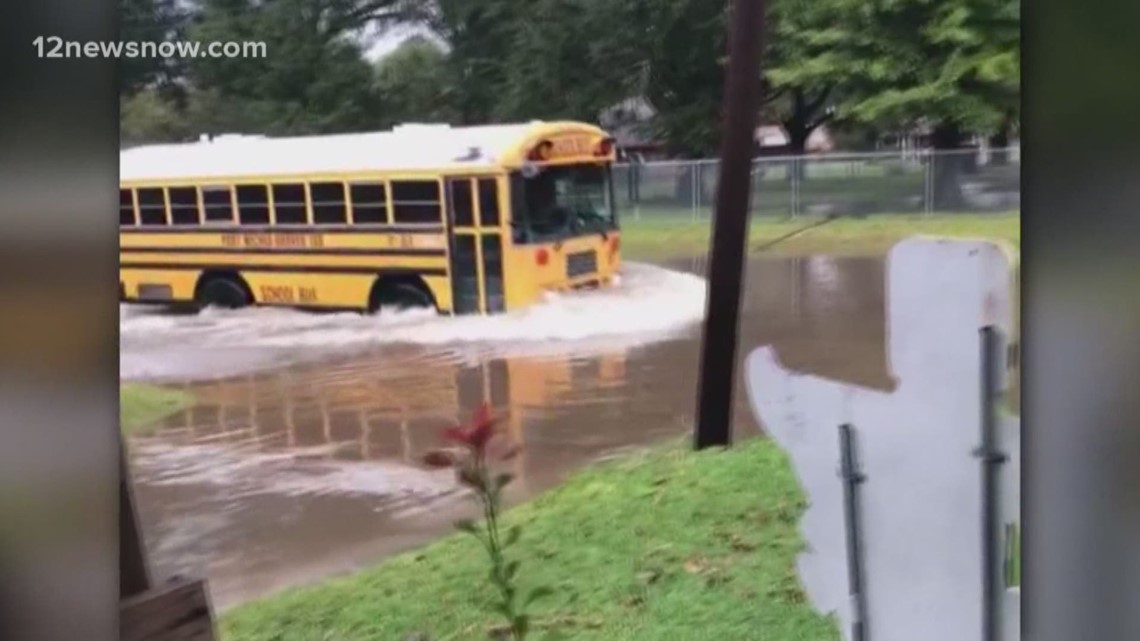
(405, 148)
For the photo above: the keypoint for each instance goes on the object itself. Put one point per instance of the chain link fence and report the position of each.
(910, 182)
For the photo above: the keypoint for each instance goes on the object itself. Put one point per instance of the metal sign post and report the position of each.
(849, 471)
(991, 458)
(730, 227)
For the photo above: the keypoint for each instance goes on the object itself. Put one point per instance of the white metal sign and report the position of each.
(921, 500)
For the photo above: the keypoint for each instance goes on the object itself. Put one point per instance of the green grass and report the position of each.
(666, 545)
(655, 237)
(141, 406)
(1012, 567)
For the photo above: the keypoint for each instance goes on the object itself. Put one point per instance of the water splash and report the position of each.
(648, 304)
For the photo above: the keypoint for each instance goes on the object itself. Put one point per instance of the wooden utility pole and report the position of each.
(134, 571)
(730, 226)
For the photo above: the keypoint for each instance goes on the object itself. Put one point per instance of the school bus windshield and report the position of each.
(563, 202)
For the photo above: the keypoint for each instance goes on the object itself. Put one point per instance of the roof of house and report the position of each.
(406, 147)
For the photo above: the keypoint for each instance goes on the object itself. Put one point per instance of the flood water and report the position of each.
(300, 459)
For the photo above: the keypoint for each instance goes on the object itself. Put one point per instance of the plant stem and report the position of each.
(489, 498)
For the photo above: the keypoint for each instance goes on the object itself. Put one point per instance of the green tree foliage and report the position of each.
(900, 63)
(571, 59)
(885, 65)
(146, 116)
(952, 66)
(150, 21)
(149, 116)
(314, 78)
(412, 84)
(797, 37)
(688, 47)
(480, 35)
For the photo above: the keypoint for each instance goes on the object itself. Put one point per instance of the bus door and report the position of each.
(476, 237)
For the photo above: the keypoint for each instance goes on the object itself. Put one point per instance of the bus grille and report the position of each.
(581, 263)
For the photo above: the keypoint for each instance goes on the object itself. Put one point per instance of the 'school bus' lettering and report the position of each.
(277, 294)
(288, 295)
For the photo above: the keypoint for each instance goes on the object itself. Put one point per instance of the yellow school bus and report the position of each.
(461, 219)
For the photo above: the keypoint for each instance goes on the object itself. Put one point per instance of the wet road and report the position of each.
(299, 461)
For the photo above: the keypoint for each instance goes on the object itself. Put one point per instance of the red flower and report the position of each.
(477, 433)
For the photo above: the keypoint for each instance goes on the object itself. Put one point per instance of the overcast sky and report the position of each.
(387, 42)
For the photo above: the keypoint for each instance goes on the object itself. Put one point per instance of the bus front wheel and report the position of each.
(399, 294)
(221, 292)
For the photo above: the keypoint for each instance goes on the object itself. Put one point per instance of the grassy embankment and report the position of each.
(655, 236)
(669, 544)
(141, 406)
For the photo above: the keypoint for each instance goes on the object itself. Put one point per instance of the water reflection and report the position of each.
(290, 475)
(391, 407)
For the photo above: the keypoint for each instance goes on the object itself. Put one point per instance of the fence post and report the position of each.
(635, 188)
(928, 182)
(694, 167)
(796, 186)
(698, 168)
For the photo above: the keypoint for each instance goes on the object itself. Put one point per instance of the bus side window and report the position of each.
(289, 204)
(152, 207)
(218, 204)
(488, 202)
(462, 207)
(369, 203)
(126, 208)
(183, 206)
(416, 201)
(253, 204)
(328, 203)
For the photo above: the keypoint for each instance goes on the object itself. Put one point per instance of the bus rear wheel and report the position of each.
(221, 292)
(399, 294)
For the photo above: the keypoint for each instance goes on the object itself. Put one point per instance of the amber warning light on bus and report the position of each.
(615, 246)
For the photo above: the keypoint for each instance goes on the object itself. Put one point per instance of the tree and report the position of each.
(686, 74)
(150, 21)
(313, 79)
(148, 117)
(952, 66)
(412, 83)
(479, 34)
(574, 59)
(794, 94)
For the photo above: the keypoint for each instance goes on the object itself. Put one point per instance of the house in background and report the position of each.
(772, 140)
(631, 124)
